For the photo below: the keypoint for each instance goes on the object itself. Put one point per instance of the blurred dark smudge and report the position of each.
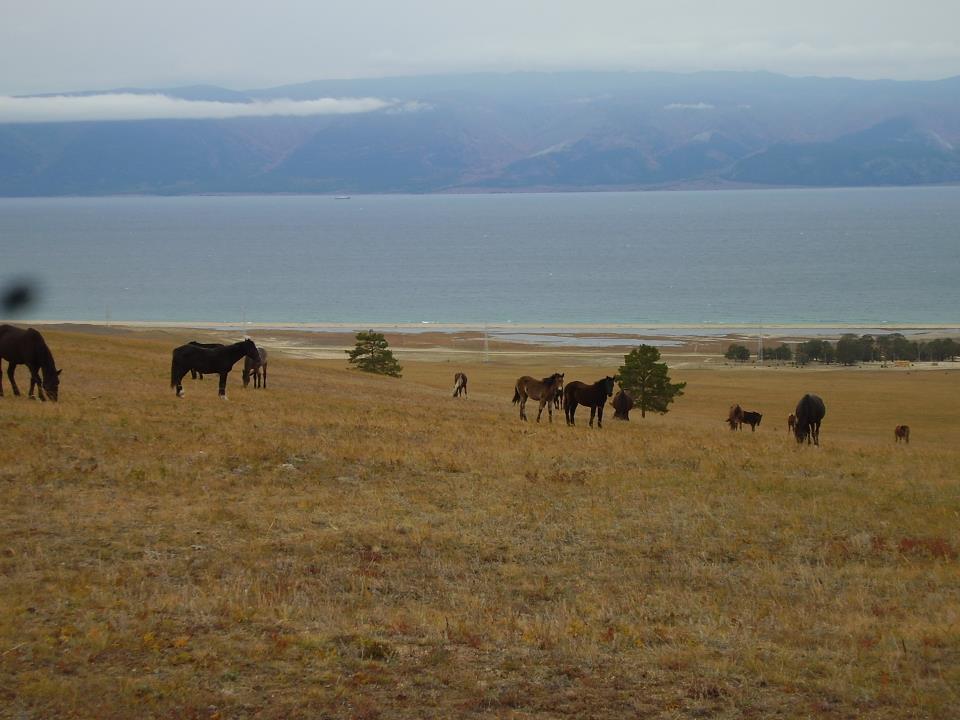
(18, 296)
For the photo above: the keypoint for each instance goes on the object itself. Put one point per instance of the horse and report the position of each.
(193, 373)
(810, 411)
(593, 396)
(752, 419)
(253, 369)
(735, 417)
(459, 384)
(558, 398)
(544, 390)
(902, 432)
(791, 422)
(622, 403)
(209, 360)
(27, 347)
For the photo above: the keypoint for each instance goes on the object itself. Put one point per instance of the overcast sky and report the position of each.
(59, 45)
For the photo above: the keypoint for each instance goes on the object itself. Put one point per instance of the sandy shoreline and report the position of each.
(694, 346)
(774, 329)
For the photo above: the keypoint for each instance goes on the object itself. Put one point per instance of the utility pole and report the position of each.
(760, 346)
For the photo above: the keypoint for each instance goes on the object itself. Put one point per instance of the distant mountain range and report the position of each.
(512, 132)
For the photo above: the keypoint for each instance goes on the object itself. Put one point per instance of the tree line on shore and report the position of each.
(852, 349)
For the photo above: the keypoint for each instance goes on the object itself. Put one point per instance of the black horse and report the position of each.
(193, 373)
(594, 396)
(27, 347)
(810, 411)
(209, 360)
(255, 370)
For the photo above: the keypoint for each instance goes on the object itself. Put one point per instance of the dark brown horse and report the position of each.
(544, 390)
(810, 412)
(791, 422)
(735, 417)
(902, 432)
(209, 360)
(593, 396)
(27, 347)
(460, 384)
(253, 370)
(622, 404)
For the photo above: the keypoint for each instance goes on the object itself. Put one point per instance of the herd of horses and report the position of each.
(804, 422)
(20, 346)
(199, 359)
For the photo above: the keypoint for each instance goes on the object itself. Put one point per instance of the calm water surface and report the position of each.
(867, 256)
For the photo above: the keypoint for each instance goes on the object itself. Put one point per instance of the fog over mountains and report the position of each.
(490, 132)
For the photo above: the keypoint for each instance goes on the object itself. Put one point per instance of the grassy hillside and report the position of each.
(351, 546)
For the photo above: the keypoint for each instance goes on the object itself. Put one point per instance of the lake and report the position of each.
(860, 256)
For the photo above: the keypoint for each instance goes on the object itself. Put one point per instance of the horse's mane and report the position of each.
(45, 356)
(549, 380)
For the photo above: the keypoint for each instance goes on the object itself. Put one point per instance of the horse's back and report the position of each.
(811, 408)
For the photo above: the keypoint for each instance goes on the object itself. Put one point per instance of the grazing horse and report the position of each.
(902, 432)
(791, 422)
(459, 384)
(810, 411)
(593, 396)
(193, 373)
(735, 417)
(209, 360)
(27, 347)
(544, 390)
(622, 403)
(752, 419)
(253, 369)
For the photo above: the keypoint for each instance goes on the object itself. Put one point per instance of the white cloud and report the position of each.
(131, 106)
(689, 106)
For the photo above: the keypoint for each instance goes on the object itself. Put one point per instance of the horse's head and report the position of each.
(608, 385)
(251, 351)
(800, 432)
(51, 383)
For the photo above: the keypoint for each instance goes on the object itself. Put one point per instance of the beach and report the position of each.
(691, 345)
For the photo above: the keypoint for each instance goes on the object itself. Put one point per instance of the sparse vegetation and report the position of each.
(647, 381)
(737, 352)
(392, 553)
(372, 354)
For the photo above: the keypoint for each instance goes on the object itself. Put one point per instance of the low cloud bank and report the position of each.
(131, 106)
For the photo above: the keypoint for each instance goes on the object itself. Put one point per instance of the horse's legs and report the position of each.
(11, 366)
(264, 385)
(178, 382)
(570, 407)
(593, 414)
(36, 382)
(600, 416)
(1, 379)
(223, 385)
(523, 403)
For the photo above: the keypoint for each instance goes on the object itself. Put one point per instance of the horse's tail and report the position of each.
(516, 395)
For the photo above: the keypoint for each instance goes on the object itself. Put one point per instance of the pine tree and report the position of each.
(646, 380)
(372, 354)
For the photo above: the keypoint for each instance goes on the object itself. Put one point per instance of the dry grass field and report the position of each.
(349, 546)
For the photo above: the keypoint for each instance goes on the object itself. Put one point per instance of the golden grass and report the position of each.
(343, 545)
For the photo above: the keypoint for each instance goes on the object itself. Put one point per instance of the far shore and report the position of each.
(771, 329)
(682, 345)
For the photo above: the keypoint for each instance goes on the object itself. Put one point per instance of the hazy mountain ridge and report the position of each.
(512, 132)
